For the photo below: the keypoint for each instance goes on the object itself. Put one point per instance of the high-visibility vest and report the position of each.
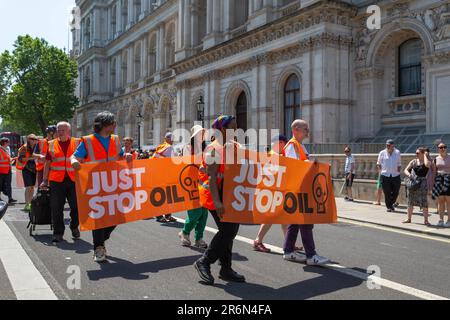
(5, 161)
(96, 153)
(19, 164)
(206, 199)
(161, 149)
(298, 147)
(61, 162)
(43, 148)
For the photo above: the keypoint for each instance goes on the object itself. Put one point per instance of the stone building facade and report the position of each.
(267, 62)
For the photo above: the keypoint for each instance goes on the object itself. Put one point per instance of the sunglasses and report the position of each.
(443, 148)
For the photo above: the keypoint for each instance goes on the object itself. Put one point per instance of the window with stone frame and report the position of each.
(241, 111)
(113, 75)
(152, 55)
(137, 9)
(410, 68)
(114, 21)
(292, 103)
(137, 62)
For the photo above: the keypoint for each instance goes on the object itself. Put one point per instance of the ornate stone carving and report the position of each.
(438, 58)
(369, 73)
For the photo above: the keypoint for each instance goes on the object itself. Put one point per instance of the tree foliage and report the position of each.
(37, 85)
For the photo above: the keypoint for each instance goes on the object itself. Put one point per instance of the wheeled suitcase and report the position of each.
(40, 213)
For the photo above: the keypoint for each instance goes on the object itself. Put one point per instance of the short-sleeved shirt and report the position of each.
(349, 160)
(390, 163)
(81, 152)
(290, 151)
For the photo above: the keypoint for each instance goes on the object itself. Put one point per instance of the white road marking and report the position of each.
(360, 275)
(26, 280)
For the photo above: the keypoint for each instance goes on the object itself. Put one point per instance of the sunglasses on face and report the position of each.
(443, 148)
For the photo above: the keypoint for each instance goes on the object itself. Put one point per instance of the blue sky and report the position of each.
(46, 19)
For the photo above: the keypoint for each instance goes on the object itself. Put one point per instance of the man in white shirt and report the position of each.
(349, 170)
(389, 165)
(294, 149)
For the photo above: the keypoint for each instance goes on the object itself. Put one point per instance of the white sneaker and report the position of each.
(100, 254)
(201, 244)
(317, 261)
(441, 223)
(294, 256)
(185, 241)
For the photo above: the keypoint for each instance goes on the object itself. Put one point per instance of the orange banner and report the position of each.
(278, 190)
(114, 193)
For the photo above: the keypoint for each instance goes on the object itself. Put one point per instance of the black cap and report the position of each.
(390, 141)
(50, 129)
(279, 137)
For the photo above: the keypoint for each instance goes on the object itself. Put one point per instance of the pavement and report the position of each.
(369, 261)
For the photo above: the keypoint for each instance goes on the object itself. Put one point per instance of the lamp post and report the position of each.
(139, 119)
(201, 110)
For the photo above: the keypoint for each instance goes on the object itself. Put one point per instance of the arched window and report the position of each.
(410, 67)
(241, 111)
(292, 101)
(152, 55)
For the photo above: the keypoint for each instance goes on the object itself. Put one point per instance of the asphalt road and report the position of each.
(147, 262)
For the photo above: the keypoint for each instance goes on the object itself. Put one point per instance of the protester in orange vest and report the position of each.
(26, 163)
(211, 190)
(128, 147)
(5, 170)
(294, 149)
(102, 146)
(40, 152)
(60, 177)
(278, 144)
(165, 150)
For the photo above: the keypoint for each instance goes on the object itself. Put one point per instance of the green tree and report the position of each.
(37, 85)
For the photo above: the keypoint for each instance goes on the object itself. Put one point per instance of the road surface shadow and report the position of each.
(79, 246)
(137, 271)
(329, 281)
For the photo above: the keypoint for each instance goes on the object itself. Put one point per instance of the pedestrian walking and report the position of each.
(418, 170)
(278, 144)
(211, 191)
(296, 150)
(5, 170)
(59, 176)
(27, 164)
(349, 171)
(196, 218)
(101, 146)
(165, 150)
(389, 165)
(40, 152)
(441, 188)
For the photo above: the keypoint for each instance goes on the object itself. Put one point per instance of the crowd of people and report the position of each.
(426, 179)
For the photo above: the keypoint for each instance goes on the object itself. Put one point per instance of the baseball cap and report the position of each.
(390, 141)
(279, 137)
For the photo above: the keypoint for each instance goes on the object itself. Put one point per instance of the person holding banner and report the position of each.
(40, 152)
(210, 186)
(278, 144)
(295, 150)
(102, 146)
(165, 150)
(128, 147)
(60, 177)
(27, 164)
(196, 218)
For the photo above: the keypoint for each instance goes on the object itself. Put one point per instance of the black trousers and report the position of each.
(5, 184)
(221, 246)
(391, 189)
(101, 235)
(59, 192)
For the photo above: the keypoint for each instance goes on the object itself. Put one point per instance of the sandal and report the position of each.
(171, 219)
(259, 246)
(406, 221)
(161, 220)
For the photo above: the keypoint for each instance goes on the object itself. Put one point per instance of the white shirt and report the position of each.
(168, 153)
(349, 160)
(390, 163)
(290, 152)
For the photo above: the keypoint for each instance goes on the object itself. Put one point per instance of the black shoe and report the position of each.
(389, 210)
(57, 238)
(231, 275)
(204, 271)
(76, 233)
(11, 201)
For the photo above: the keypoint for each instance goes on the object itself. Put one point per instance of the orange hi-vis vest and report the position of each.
(5, 161)
(43, 148)
(21, 165)
(161, 149)
(206, 199)
(96, 151)
(298, 147)
(61, 162)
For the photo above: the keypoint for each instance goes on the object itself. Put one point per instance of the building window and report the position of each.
(241, 112)
(114, 21)
(240, 11)
(137, 9)
(292, 101)
(113, 75)
(410, 68)
(170, 46)
(124, 14)
(137, 62)
(152, 55)
(87, 82)
(87, 34)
